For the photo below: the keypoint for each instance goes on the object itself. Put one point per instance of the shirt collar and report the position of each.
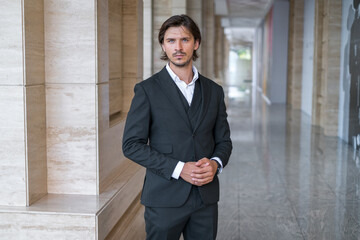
(176, 78)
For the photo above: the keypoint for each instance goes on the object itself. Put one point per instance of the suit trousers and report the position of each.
(193, 219)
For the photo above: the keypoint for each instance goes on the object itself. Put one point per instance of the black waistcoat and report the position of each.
(193, 111)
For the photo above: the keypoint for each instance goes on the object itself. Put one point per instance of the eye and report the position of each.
(185, 40)
(171, 40)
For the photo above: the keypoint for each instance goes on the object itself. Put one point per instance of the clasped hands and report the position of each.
(199, 173)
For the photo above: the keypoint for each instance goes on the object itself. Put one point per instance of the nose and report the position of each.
(178, 46)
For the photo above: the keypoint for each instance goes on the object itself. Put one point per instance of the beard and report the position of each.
(180, 64)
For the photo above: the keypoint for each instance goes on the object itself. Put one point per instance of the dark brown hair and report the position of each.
(177, 21)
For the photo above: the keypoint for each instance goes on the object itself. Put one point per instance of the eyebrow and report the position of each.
(172, 38)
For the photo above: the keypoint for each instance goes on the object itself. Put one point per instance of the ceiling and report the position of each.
(241, 17)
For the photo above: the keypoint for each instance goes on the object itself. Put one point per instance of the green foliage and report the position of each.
(244, 53)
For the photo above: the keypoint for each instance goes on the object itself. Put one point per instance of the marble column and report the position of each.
(22, 103)
(219, 49)
(148, 38)
(70, 48)
(208, 43)
(162, 10)
(194, 10)
(318, 58)
(327, 65)
(331, 51)
(296, 34)
(178, 7)
(226, 53)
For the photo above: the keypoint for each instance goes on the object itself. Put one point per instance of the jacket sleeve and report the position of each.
(136, 135)
(223, 144)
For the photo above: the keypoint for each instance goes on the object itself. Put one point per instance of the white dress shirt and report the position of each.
(188, 91)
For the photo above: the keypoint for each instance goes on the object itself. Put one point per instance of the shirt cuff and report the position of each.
(178, 169)
(219, 161)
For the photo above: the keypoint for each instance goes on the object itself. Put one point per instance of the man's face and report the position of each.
(179, 45)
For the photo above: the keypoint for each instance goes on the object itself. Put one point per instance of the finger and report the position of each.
(201, 178)
(204, 165)
(202, 175)
(202, 161)
(202, 170)
(201, 182)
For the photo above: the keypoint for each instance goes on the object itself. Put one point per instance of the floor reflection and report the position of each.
(285, 179)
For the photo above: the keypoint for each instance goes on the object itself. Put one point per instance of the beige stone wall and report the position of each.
(132, 48)
(47, 226)
(115, 57)
(128, 58)
(34, 92)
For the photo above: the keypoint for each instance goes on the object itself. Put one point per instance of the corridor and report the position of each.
(285, 179)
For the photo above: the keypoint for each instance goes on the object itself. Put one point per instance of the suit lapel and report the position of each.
(169, 88)
(206, 93)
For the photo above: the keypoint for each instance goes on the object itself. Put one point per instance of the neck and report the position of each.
(185, 73)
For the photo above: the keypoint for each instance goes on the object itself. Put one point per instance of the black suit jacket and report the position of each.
(158, 134)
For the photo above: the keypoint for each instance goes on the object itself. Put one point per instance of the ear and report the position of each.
(163, 47)
(196, 45)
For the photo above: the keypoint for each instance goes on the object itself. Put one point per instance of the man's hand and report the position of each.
(199, 173)
(187, 172)
(206, 173)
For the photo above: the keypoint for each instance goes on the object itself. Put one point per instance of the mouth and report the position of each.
(178, 55)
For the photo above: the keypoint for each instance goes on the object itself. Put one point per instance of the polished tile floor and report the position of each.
(285, 179)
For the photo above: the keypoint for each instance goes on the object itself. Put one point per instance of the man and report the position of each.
(177, 129)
